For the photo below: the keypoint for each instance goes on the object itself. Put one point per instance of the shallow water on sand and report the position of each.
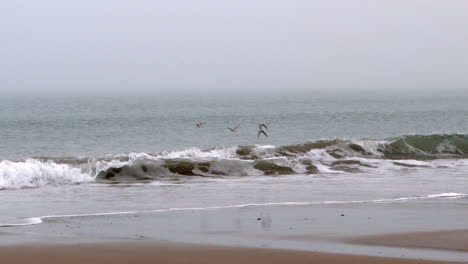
(432, 185)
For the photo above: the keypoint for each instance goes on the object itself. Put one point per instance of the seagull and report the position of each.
(234, 130)
(200, 125)
(261, 131)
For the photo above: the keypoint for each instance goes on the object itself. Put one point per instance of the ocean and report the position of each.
(104, 154)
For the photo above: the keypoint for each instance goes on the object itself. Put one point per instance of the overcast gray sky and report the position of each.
(86, 45)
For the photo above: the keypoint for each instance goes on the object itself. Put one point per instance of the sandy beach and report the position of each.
(178, 254)
(362, 233)
(456, 240)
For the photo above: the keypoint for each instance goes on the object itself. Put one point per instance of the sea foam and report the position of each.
(336, 156)
(35, 173)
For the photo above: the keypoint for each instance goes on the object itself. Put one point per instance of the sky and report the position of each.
(233, 45)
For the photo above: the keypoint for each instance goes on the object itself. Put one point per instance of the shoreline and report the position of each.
(451, 240)
(407, 232)
(173, 253)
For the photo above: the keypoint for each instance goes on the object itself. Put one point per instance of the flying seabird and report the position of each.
(261, 131)
(199, 125)
(234, 129)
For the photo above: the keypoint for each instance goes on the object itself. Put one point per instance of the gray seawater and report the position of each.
(90, 154)
(54, 125)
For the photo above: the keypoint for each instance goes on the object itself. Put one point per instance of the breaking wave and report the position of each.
(321, 156)
(36, 173)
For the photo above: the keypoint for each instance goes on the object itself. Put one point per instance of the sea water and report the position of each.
(85, 154)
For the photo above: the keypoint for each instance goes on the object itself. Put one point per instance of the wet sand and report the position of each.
(358, 233)
(177, 254)
(456, 240)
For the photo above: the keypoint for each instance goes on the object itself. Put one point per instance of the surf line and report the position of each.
(40, 219)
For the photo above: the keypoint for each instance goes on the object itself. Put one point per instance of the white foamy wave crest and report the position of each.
(34, 173)
(447, 195)
(224, 153)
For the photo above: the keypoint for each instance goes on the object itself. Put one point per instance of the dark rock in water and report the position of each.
(312, 169)
(258, 219)
(350, 162)
(144, 168)
(124, 174)
(345, 169)
(111, 173)
(346, 162)
(143, 178)
(204, 169)
(116, 170)
(283, 153)
(185, 167)
(203, 166)
(245, 152)
(336, 153)
(215, 172)
(357, 148)
(108, 175)
(269, 168)
(342, 214)
(288, 150)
